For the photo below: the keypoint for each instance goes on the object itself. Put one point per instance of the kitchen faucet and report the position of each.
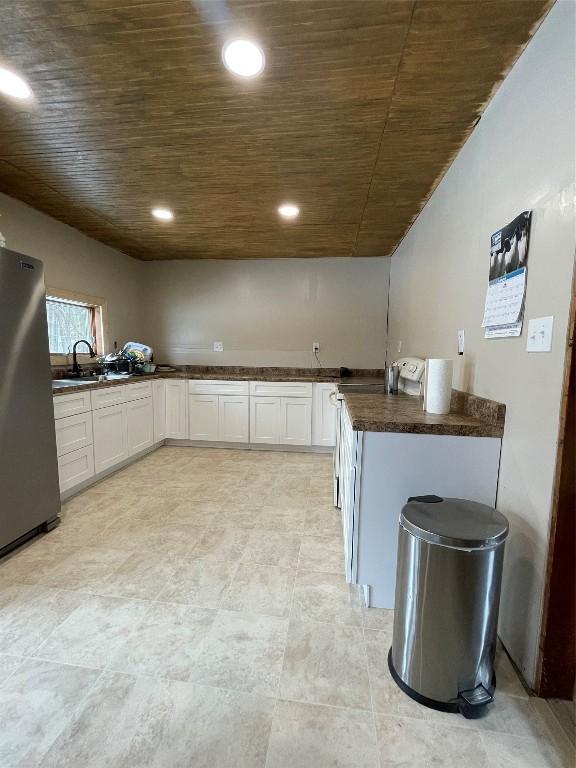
(76, 369)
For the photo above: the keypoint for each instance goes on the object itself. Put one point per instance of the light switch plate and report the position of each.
(218, 346)
(461, 342)
(540, 334)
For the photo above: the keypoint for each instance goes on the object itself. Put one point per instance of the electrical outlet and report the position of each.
(315, 347)
(218, 346)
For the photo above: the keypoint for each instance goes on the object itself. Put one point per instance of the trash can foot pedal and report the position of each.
(474, 702)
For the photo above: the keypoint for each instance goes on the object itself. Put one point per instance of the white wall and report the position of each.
(268, 312)
(75, 262)
(521, 156)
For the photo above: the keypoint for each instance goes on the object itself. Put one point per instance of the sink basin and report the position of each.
(58, 383)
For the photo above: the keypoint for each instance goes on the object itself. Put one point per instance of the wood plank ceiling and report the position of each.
(362, 106)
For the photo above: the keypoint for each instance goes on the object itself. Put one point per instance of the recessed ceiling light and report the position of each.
(244, 58)
(164, 214)
(288, 211)
(13, 85)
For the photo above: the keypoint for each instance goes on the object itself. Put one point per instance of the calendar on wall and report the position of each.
(506, 292)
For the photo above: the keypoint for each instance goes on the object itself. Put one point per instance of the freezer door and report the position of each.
(29, 492)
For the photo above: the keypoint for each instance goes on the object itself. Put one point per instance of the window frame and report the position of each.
(98, 306)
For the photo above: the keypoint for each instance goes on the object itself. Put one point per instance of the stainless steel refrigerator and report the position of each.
(29, 492)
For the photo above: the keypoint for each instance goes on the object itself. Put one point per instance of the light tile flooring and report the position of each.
(191, 611)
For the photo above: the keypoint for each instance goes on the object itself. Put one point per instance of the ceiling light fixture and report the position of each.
(164, 214)
(243, 58)
(288, 211)
(13, 85)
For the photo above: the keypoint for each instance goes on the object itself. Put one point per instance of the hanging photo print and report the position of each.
(504, 306)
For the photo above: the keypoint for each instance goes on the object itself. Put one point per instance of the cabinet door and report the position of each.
(203, 417)
(159, 403)
(176, 418)
(139, 425)
(324, 415)
(233, 419)
(109, 433)
(296, 420)
(265, 420)
(348, 504)
(348, 500)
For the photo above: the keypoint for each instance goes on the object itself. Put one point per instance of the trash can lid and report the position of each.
(454, 522)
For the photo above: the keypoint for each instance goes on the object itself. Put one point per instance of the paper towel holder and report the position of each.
(441, 399)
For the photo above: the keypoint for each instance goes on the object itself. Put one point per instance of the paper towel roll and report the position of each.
(437, 385)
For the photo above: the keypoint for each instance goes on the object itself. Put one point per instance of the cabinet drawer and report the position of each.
(103, 398)
(69, 405)
(213, 387)
(73, 432)
(75, 468)
(138, 391)
(280, 389)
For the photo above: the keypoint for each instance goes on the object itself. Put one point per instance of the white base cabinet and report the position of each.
(281, 420)
(74, 436)
(110, 437)
(159, 404)
(139, 425)
(203, 417)
(218, 411)
(97, 430)
(324, 411)
(296, 421)
(233, 422)
(176, 407)
(73, 433)
(265, 420)
(380, 470)
(75, 468)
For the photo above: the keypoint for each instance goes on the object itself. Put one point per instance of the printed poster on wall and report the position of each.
(504, 306)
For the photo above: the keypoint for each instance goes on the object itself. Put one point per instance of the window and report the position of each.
(70, 320)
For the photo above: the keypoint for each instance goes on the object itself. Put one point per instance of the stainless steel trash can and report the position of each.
(449, 570)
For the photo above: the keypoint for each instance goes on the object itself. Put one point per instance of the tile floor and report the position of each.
(191, 610)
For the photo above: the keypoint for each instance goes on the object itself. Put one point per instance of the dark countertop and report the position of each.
(259, 374)
(404, 413)
(470, 416)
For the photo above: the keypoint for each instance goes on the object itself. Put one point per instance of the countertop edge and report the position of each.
(311, 379)
(480, 430)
